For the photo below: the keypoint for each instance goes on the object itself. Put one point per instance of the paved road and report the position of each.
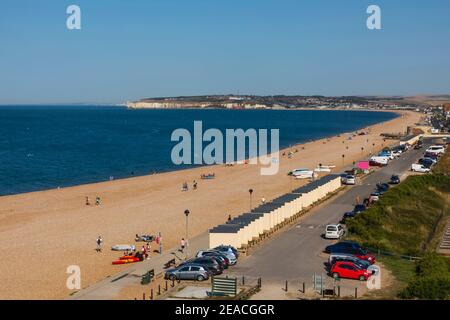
(297, 253)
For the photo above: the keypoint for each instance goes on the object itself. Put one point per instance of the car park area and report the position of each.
(298, 254)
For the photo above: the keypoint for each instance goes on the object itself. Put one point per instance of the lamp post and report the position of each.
(250, 191)
(343, 157)
(186, 213)
(290, 180)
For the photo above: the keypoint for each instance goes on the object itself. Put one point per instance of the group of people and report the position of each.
(97, 201)
(208, 176)
(185, 186)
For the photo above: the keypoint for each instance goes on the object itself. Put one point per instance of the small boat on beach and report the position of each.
(324, 168)
(123, 247)
(302, 174)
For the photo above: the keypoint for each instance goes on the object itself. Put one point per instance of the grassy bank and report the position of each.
(409, 221)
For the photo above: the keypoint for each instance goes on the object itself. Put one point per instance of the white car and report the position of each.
(350, 180)
(419, 168)
(334, 231)
(436, 149)
(396, 153)
(375, 196)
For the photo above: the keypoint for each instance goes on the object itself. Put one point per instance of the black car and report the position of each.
(382, 188)
(210, 263)
(348, 215)
(426, 162)
(350, 247)
(359, 208)
(395, 179)
(219, 257)
(333, 248)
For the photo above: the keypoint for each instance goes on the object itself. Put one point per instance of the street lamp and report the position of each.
(250, 191)
(343, 157)
(186, 213)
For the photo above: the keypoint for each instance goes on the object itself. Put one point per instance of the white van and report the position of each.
(419, 168)
(381, 160)
(436, 149)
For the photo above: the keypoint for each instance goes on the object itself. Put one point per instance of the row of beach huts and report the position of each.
(249, 226)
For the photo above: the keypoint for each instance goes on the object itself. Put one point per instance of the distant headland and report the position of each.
(291, 102)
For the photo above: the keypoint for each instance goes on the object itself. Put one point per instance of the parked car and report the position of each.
(431, 155)
(436, 149)
(188, 272)
(395, 179)
(350, 258)
(208, 262)
(374, 196)
(359, 208)
(334, 231)
(396, 153)
(350, 180)
(378, 161)
(221, 260)
(347, 215)
(350, 247)
(215, 253)
(427, 162)
(229, 250)
(419, 168)
(382, 188)
(349, 270)
(386, 154)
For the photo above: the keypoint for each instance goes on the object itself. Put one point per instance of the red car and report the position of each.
(345, 269)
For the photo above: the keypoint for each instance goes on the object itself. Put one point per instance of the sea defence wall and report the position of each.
(246, 227)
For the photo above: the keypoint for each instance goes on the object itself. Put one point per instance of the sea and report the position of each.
(46, 147)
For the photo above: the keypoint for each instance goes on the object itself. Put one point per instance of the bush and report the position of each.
(428, 287)
(432, 279)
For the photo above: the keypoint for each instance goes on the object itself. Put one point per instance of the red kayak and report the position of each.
(125, 261)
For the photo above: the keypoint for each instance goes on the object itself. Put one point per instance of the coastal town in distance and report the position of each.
(212, 159)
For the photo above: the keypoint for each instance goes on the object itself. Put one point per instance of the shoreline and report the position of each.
(64, 229)
(175, 169)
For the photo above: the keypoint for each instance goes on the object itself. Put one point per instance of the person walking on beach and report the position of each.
(99, 244)
(149, 249)
(182, 245)
(229, 217)
(194, 184)
(263, 200)
(144, 252)
(185, 186)
(87, 201)
(97, 201)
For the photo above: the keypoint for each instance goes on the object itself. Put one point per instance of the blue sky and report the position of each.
(132, 49)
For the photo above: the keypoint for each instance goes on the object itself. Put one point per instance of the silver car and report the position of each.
(188, 272)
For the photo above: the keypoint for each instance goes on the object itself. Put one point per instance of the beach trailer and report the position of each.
(225, 234)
